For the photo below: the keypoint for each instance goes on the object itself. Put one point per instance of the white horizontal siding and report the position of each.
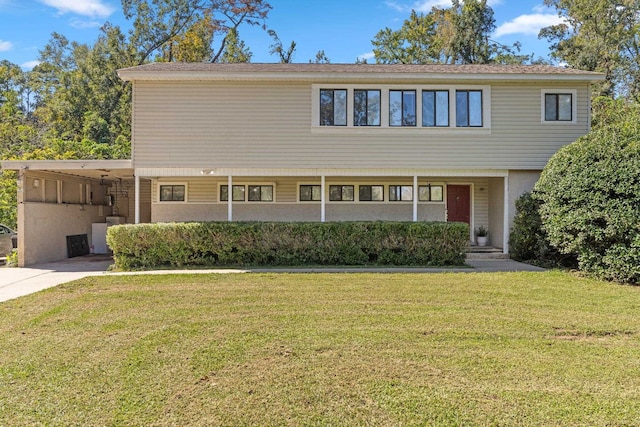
(252, 125)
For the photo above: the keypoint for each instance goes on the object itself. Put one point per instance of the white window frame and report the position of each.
(574, 106)
(384, 109)
(186, 192)
(246, 192)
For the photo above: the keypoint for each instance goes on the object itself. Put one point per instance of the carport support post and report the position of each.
(322, 199)
(137, 199)
(415, 198)
(229, 198)
(505, 227)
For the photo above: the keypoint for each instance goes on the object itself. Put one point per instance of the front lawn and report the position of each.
(323, 349)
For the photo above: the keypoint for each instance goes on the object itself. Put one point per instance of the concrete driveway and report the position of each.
(17, 282)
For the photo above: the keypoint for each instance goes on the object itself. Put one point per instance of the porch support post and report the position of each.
(137, 199)
(322, 199)
(505, 220)
(230, 198)
(415, 198)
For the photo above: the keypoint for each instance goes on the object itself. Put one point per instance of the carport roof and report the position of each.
(93, 169)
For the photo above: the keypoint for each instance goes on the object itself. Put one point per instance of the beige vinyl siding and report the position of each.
(257, 125)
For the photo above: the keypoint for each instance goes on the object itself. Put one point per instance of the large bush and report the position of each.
(590, 193)
(281, 244)
(529, 242)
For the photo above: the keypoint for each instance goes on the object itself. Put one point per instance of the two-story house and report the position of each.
(318, 142)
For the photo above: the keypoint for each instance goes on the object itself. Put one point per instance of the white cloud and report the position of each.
(29, 65)
(425, 6)
(5, 45)
(93, 8)
(528, 24)
(82, 24)
(366, 56)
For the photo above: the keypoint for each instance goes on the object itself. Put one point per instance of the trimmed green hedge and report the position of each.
(216, 244)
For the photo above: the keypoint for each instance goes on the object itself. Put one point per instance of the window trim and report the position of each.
(574, 106)
(172, 183)
(246, 192)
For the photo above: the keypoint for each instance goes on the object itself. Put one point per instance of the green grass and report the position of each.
(323, 349)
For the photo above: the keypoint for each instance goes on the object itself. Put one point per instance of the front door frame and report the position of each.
(472, 213)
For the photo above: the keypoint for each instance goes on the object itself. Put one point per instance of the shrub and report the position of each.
(591, 201)
(286, 244)
(528, 241)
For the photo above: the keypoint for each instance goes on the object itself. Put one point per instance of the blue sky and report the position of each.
(342, 28)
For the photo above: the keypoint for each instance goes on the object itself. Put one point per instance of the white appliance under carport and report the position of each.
(99, 233)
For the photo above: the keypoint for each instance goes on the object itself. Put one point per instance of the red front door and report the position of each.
(459, 203)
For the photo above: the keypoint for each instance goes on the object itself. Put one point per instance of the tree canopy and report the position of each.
(456, 35)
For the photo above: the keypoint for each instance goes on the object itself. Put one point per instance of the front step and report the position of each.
(478, 253)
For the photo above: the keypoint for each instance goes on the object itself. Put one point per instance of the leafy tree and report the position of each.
(599, 35)
(321, 58)
(590, 198)
(277, 48)
(158, 24)
(455, 35)
(235, 50)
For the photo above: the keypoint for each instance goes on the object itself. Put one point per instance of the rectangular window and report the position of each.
(238, 193)
(333, 107)
(310, 193)
(172, 193)
(400, 193)
(371, 193)
(261, 193)
(366, 107)
(402, 108)
(435, 108)
(341, 193)
(430, 193)
(558, 107)
(469, 108)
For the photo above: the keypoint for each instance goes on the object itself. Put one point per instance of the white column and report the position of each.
(230, 198)
(322, 199)
(415, 198)
(505, 220)
(137, 199)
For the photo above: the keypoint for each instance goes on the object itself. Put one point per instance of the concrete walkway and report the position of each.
(17, 282)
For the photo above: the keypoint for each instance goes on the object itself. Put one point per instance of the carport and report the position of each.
(60, 201)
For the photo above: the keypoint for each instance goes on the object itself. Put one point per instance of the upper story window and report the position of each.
(366, 107)
(469, 108)
(402, 108)
(333, 107)
(558, 107)
(173, 193)
(435, 108)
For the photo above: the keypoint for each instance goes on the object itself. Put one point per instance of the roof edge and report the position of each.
(143, 75)
(65, 164)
